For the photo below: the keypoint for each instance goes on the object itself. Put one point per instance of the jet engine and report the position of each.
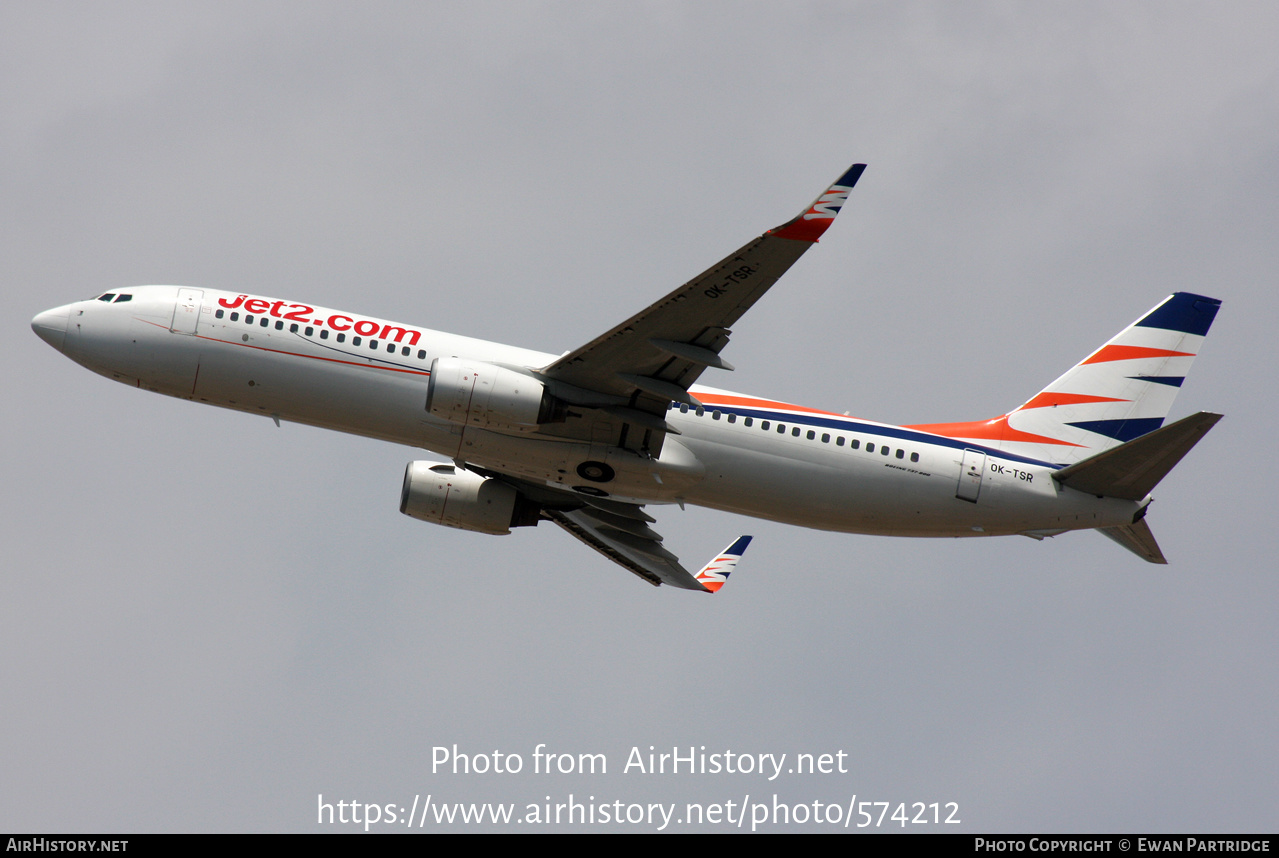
(445, 494)
(474, 393)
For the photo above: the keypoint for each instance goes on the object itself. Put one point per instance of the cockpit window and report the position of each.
(107, 297)
(120, 299)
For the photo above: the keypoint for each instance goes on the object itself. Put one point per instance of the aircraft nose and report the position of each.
(51, 325)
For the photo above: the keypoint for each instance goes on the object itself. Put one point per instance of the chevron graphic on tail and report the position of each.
(1120, 392)
(715, 574)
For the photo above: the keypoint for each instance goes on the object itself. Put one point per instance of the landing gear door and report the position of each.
(970, 474)
(186, 312)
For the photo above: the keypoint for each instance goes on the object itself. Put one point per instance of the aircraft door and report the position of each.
(186, 311)
(971, 470)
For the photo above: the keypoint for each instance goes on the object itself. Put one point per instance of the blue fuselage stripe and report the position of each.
(851, 426)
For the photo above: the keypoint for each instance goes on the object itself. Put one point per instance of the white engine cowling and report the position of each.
(474, 393)
(444, 494)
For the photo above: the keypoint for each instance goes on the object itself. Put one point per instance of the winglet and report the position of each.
(810, 225)
(715, 574)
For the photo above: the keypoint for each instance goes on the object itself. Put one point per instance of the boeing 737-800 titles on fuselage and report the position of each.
(588, 439)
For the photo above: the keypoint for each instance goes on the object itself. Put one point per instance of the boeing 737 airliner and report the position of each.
(588, 439)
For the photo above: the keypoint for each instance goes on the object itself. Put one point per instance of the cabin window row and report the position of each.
(294, 328)
(796, 432)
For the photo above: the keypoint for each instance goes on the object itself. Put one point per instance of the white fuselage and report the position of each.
(741, 454)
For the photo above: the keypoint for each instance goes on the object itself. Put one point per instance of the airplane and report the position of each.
(592, 438)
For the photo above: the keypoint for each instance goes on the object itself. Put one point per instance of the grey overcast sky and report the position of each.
(209, 622)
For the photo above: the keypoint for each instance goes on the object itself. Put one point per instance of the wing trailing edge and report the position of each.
(630, 543)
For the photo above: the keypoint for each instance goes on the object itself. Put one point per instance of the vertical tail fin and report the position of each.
(1119, 392)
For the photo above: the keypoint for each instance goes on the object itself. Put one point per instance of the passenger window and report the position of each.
(341, 338)
(309, 330)
(870, 448)
(763, 424)
(683, 408)
(825, 437)
(279, 326)
(914, 457)
(732, 418)
(324, 333)
(715, 414)
(355, 341)
(218, 314)
(856, 444)
(748, 421)
(901, 454)
(404, 352)
(421, 354)
(700, 411)
(781, 428)
(248, 320)
(883, 450)
(293, 328)
(235, 317)
(265, 322)
(839, 442)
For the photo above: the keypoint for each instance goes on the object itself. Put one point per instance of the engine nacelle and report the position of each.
(444, 494)
(474, 393)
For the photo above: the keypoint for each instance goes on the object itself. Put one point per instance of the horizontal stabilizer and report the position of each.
(1130, 471)
(1138, 539)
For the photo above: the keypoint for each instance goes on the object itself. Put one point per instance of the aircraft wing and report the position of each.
(628, 541)
(652, 358)
(620, 531)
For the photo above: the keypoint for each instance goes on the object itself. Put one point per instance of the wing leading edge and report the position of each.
(656, 355)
